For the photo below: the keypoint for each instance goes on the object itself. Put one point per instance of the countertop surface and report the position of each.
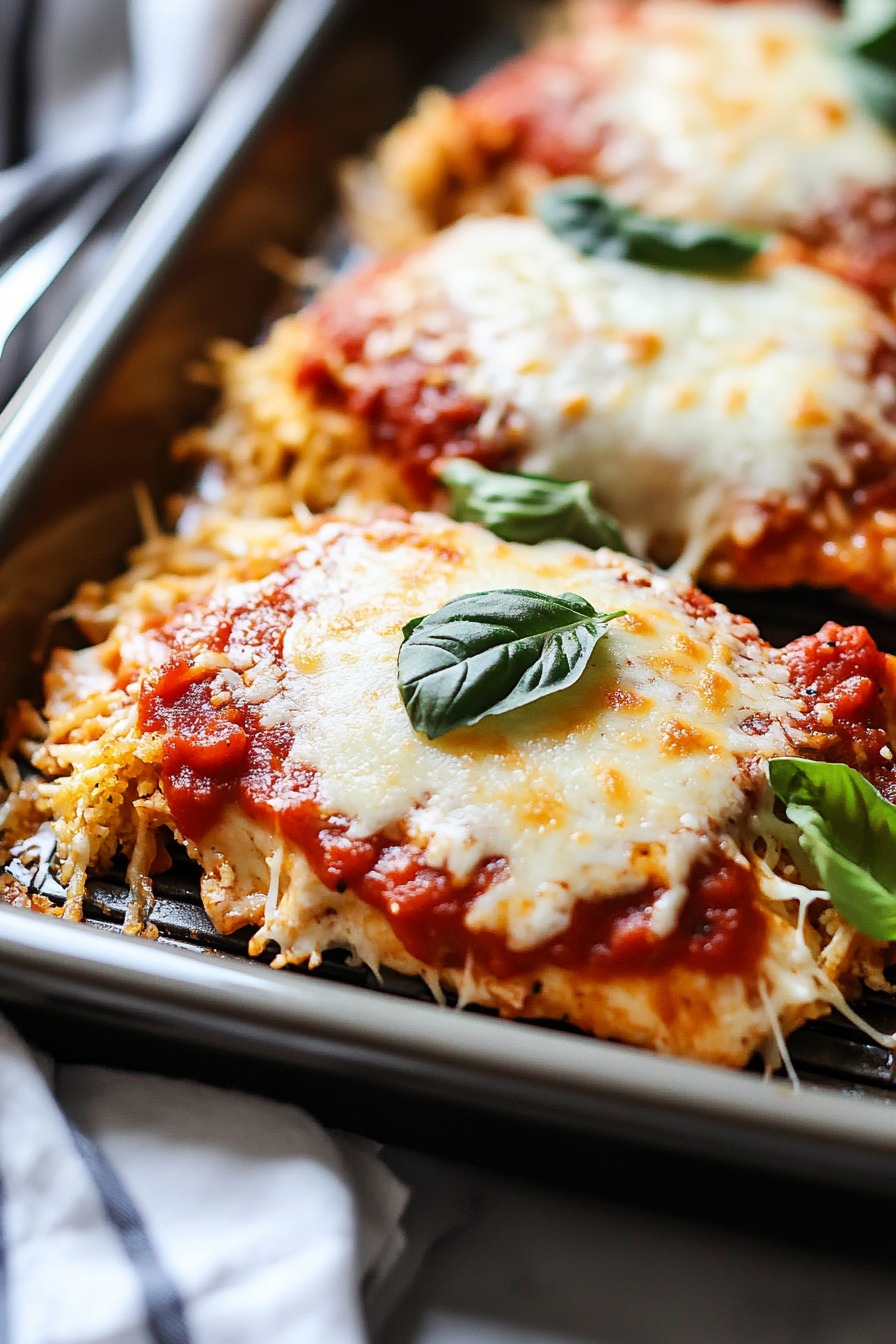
(536, 1266)
(565, 1238)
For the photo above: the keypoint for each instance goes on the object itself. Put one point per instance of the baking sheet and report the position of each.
(98, 413)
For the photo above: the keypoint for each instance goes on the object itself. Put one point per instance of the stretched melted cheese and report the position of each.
(627, 778)
(683, 399)
(741, 112)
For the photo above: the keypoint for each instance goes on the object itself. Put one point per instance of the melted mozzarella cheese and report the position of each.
(741, 112)
(685, 400)
(628, 777)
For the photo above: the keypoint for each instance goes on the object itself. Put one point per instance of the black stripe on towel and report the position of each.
(165, 1316)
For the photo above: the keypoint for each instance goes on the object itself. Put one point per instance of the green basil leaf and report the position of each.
(848, 830)
(869, 31)
(527, 508)
(487, 653)
(577, 211)
(876, 88)
(685, 245)
(867, 42)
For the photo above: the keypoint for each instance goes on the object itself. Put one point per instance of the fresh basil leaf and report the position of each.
(848, 830)
(577, 211)
(876, 89)
(869, 31)
(867, 43)
(487, 653)
(527, 508)
(685, 245)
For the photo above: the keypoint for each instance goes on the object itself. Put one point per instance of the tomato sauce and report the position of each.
(216, 753)
(415, 410)
(848, 545)
(213, 756)
(856, 240)
(842, 675)
(721, 930)
(531, 110)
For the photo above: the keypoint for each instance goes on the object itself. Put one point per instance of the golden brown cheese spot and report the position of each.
(832, 114)
(636, 623)
(439, 552)
(809, 412)
(669, 668)
(689, 647)
(576, 406)
(683, 398)
(545, 809)
(774, 48)
(643, 346)
(623, 698)
(683, 739)
(583, 562)
(614, 785)
(715, 691)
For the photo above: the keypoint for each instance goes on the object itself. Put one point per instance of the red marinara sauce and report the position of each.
(845, 681)
(415, 410)
(856, 240)
(216, 753)
(721, 929)
(535, 109)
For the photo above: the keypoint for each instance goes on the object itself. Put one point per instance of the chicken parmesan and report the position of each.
(746, 113)
(743, 429)
(609, 855)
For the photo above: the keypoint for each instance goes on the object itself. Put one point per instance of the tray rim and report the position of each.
(571, 1081)
(566, 1080)
(75, 358)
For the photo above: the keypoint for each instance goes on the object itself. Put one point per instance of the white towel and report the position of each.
(138, 1209)
(88, 86)
(107, 77)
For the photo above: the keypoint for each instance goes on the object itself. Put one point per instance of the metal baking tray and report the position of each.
(97, 414)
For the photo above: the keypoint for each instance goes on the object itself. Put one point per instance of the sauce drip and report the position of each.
(721, 929)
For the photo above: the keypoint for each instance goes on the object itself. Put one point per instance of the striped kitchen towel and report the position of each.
(136, 1208)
